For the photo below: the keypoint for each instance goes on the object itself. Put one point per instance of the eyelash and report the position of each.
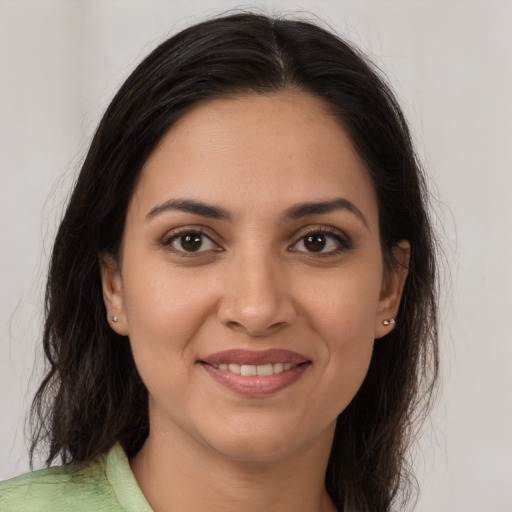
(343, 242)
(176, 234)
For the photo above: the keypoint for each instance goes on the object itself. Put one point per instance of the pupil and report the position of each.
(315, 243)
(191, 242)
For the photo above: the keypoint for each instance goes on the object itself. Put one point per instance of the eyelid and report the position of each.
(340, 236)
(175, 233)
(344, 241)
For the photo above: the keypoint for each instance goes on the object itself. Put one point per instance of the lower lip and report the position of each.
(256, 385)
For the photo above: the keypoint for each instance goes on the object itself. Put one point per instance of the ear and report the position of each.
(113, 295)
(392, 287)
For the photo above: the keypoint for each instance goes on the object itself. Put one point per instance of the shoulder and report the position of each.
(65, 488)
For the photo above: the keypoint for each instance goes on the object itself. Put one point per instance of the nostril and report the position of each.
(234, 325)
(254, 331)
(255, 314)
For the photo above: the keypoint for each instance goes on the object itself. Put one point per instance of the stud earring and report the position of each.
(391, 321)
(114, 318)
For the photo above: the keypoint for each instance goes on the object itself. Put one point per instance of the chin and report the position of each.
(254, 450)
(257, 441)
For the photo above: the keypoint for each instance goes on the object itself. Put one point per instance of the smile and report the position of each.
(252, 369)
(256, 373)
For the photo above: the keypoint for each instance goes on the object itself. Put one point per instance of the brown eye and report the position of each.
(315, 243)
(322, 243)
(191, 242)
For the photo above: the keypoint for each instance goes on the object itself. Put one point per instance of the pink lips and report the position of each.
(255, 357)
(255, 385)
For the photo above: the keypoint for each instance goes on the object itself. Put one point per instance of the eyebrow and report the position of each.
(324, 207)
(189, 206)
(293, 213)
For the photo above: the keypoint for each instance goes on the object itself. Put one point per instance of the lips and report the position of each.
(252, 369)
(249, 357)
(255, 373)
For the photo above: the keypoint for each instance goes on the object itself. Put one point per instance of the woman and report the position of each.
(241, 307)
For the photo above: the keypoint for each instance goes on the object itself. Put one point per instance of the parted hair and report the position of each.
(92, 396)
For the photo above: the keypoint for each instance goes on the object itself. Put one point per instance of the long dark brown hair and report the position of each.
(92, 395)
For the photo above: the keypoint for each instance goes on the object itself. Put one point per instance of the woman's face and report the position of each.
(251, 246)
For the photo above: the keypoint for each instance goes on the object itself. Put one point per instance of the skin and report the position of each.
(254, 284)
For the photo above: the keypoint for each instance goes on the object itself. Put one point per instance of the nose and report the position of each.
(256, 297)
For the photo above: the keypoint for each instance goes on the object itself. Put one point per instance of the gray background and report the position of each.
(450, 63)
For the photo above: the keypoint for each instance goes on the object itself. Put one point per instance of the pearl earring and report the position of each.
(114, 318)
(391, 321)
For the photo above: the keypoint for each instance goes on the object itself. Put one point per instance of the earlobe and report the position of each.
(392, 288)
(113, 296)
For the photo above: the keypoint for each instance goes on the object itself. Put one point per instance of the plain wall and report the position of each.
(450, 63)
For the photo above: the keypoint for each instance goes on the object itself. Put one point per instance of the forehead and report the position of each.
(259, 150)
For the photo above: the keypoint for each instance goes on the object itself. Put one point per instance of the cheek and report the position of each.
(344, 316)
(344, 304)
(164, 312)
(349, 348)
(158, 298)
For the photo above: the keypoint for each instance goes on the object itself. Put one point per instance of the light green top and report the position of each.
(106, 485)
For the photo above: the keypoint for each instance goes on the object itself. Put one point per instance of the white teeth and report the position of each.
(265, 369)
(234, 368)
(278, 367)
(248, 369)
(252, 369)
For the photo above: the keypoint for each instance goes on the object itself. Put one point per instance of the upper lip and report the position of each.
(252, 357)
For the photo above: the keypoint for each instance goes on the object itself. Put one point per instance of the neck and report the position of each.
(179, 475)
